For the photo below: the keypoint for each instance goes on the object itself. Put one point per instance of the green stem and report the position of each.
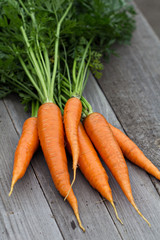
(65, 84)
(59, 86)
(25, 9)
(64, 99)
(68, 72)
(40, 63)
(34, 21)
(35, 64)
(84, 114)
(46, 71)
(47, 63)
(82, 77)
(89, 107)
(35, 107)
(65, 79)
(57, 50)
(86, 72)
(31, 79)
(74, 71)
(21, 86)
(39, 72)
(55, 11)
(65, 91)
(81, 66)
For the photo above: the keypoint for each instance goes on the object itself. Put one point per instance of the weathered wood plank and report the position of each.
(26, 214)
(93, 211)
(139, 180)
(150, 9)
(131, 84)
(95, 216)
(145, 195)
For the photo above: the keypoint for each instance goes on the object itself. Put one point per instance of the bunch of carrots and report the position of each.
(48, 61)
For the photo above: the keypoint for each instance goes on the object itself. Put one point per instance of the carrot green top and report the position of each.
(30, 45)
(35, 35)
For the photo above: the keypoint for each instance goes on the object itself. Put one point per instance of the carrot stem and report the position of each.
(56, 50)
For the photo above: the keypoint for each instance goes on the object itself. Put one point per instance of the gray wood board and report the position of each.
(94, 214)
(26, 214)
(144, 192)
(131, 83)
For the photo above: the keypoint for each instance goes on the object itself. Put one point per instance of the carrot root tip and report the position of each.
(115, 210)
(79, 222)
(74, 178)
(83, 229)
(11, 190)
(136, 208)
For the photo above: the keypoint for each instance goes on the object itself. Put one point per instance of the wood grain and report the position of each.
(144, 192)
(26, 214)
(131, 83)
(91, 209)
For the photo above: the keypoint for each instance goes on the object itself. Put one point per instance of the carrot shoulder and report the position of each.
(72, 116)
(133, 153)
(51, 135)
(101, 135)
(26, 147)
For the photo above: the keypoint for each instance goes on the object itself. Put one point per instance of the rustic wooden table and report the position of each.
(128, 95)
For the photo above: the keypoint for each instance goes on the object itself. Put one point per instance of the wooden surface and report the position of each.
(151, 10)
(37, 211)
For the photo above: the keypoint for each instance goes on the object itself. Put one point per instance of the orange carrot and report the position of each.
(27, 146)
(101, 135)
(133, 153)
(72, 116)
(51, 135)
(91, 167)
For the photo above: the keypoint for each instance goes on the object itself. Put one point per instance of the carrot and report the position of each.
(101, 135)
(91, 167)
(133, 153)
(26, 147)
(72, 116)
(51, 135)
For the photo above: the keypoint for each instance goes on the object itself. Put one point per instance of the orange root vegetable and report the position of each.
(26, 147)
(51, 135)
(91, 167)
(72, 116)
(102, 137)
(133, 153)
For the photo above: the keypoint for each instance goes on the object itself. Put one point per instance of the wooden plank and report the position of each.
(151, 9)
(131, 84)
(93, 211)
(131, 219)
(145, 195)
(26, 214)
